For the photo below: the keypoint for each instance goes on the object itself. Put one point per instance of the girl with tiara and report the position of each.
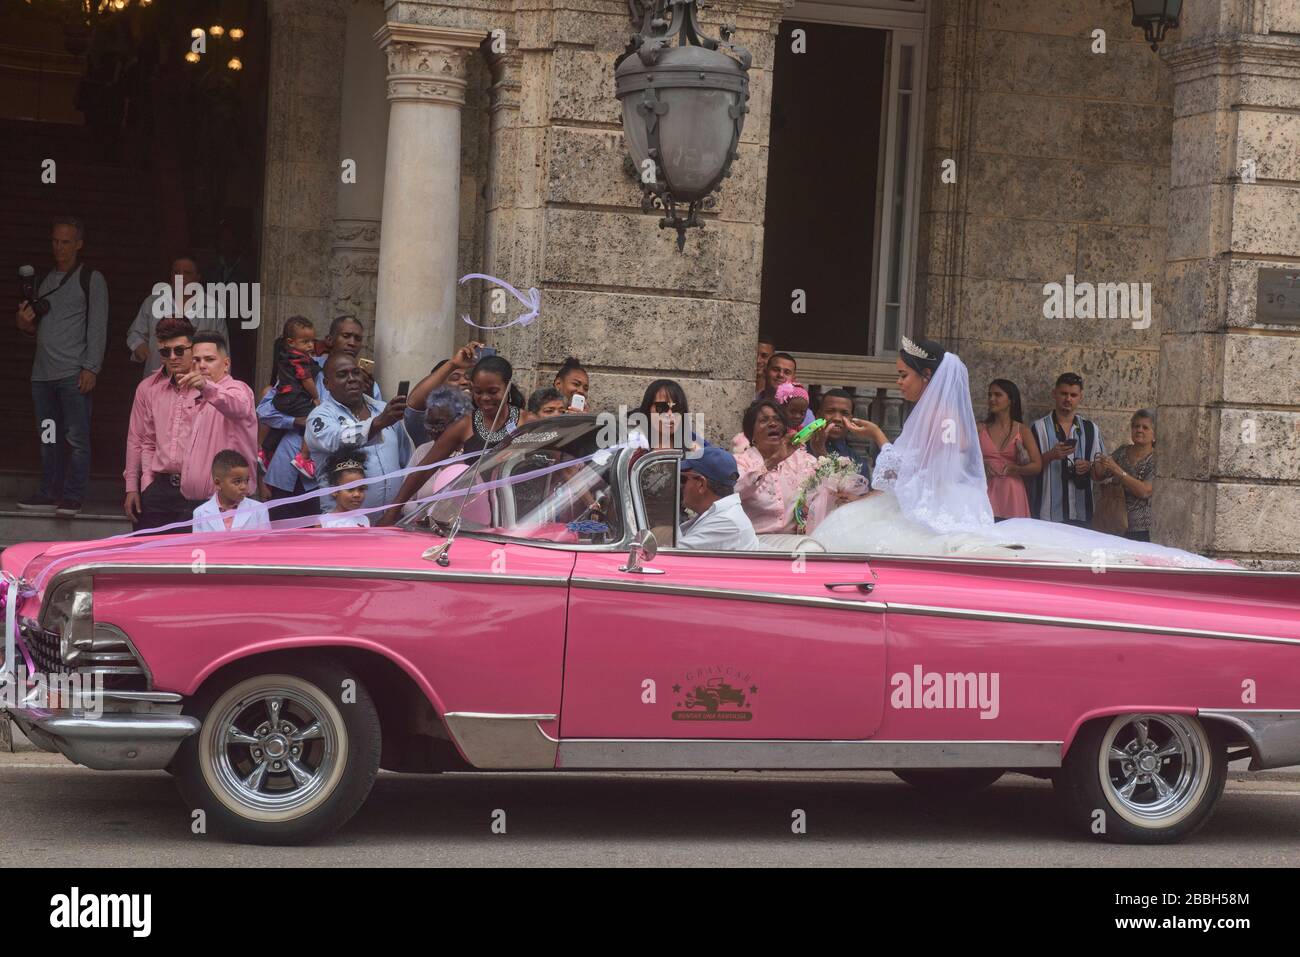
(343, 468)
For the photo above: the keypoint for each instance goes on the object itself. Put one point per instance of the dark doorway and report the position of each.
(819, 233)
(158, 151)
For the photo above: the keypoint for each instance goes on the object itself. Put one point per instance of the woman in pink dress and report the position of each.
(772, 470)
(1009, 451)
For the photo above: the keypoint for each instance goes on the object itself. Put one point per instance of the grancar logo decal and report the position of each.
(715, 693)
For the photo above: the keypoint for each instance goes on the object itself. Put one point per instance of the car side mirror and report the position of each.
(644, 548)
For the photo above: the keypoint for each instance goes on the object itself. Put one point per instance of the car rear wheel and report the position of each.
(1143, 778)
(954, 781)
(283, 756)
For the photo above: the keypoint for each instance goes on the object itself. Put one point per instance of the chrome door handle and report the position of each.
(864, 587)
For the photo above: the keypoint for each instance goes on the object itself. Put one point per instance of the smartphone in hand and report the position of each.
(404, 387)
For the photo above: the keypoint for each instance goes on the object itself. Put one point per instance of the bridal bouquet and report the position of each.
(835, 481)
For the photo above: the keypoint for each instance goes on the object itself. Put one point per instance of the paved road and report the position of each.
(870, 818)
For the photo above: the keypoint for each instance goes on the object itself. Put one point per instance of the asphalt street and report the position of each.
(53, 813)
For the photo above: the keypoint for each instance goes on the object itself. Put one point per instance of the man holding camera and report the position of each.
(1069, 444)
(67, 312)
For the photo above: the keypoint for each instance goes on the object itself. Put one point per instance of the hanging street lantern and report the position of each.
(684, 106)
(1155, 17)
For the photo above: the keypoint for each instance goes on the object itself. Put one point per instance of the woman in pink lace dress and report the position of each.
(1009, 451)
(772, 470)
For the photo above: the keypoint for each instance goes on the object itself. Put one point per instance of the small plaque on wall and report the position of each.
(1279, 296)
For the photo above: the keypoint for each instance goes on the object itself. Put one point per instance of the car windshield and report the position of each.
(524, 489)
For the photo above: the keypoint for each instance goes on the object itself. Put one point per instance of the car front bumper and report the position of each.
(126, 731)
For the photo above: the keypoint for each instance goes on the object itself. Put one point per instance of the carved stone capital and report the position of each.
(507, 79)
(428, 63)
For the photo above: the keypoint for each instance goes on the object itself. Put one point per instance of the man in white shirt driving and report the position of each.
(709, 490)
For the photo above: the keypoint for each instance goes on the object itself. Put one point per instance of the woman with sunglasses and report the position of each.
(664, 408)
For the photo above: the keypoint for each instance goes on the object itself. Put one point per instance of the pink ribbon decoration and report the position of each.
(533, 302)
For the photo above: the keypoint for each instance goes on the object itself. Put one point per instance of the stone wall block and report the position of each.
(1259, 444)
(1193, 295)
(1182, 512)
(1191, 371)
(1283, 16)
(1194, 215)
(630, 250)
(1273, 141)
(1025, 125)
(1074, 20)
(1201, 94)
(586, 166)
(703, 337)
(1186, 442)
(1266, 219)
(1261, 369)
(1020, 249)
(1119, 254)
(583, 86)
(1125, 132)
(1111, 193)
(1256, 519)
(1200, 154)
(1016, 186)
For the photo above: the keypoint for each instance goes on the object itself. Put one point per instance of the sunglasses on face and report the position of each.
(168, 352)
(662, 407)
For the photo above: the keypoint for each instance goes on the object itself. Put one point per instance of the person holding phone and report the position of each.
(1069, 444)
(572, 382)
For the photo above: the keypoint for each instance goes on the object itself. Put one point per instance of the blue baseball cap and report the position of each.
(715, 464)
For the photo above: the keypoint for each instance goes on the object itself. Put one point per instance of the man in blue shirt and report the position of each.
(348, 419)
(285, 481)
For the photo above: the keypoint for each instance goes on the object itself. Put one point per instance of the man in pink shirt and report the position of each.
(183, 424)
(159, 432)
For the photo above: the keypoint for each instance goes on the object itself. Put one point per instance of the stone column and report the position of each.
(416, 300)
(302, 171)
(1228, 441)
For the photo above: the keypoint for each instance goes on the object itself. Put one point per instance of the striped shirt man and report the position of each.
(1062, 495)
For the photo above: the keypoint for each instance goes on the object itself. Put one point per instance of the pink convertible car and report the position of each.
(274, 674)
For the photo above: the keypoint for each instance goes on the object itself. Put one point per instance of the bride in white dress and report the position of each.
(930, 496)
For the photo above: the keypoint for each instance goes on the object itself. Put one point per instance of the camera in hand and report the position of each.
(27, 291)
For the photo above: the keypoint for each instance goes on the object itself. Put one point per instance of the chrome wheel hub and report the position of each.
(276, 751)
(1152, 766)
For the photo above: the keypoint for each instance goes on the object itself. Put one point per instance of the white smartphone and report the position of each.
(578, 403)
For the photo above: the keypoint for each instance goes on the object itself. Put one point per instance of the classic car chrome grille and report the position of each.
(43, 646)
(111, 656)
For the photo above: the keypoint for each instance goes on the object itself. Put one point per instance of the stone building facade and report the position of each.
(1035, 156)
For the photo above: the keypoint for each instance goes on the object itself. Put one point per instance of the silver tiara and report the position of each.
(349, 465)
(912, 349)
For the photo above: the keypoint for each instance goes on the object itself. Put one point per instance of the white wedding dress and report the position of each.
(931, 498)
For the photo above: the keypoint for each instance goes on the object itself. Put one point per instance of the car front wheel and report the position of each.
(283, 756)
(1143, 778)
